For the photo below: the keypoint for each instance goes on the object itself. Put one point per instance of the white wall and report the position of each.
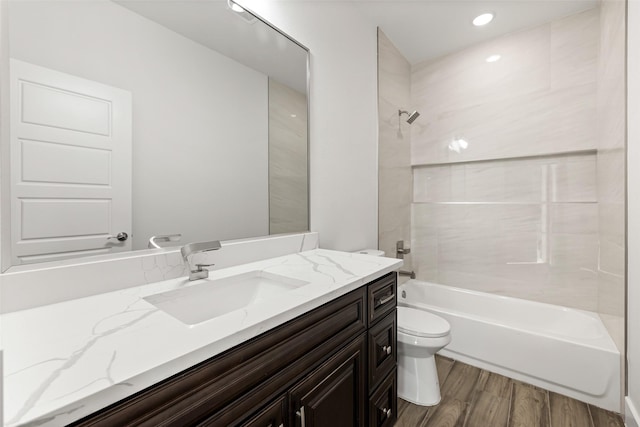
(343, 116)
(633, 210)
(194, 103)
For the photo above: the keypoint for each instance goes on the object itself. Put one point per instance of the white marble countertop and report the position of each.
(64, 361)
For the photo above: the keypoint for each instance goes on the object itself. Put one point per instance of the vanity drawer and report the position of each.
(382, 296)
(382, 349)
(383, 405)
(274, 415)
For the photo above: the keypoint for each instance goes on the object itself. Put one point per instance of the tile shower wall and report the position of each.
(394, 150)
(288, 154)
(611, 167)
(539, 98)
(525, 228)
(505, 193)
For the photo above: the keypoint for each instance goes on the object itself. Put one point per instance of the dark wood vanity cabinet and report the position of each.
(334, 366)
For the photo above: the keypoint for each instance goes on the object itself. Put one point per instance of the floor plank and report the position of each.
(529, 407)
(488, 410)
(460, 382)
(412, 415)
(603, 418)
(498, 385)
(449, 413)
(567, 412)
(473, 397)
(402, 404)
(443, 365)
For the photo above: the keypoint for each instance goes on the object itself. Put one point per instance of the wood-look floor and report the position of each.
(472, 397)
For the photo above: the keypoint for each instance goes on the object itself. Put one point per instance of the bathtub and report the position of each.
(560, 349)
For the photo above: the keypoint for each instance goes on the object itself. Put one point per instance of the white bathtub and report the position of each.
(560, 349)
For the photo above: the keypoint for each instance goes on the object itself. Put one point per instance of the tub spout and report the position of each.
(411, 274)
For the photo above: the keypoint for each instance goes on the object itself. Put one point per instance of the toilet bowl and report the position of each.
(420, 336)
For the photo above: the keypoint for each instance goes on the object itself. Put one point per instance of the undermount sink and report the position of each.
(214, 297)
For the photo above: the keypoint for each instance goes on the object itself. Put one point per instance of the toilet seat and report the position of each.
(421, 323)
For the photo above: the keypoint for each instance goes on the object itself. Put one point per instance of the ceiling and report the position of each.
(427, 29)
(212, 24)
(420, 29)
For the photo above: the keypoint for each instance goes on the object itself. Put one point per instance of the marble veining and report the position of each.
(66, 360)
(27, 288)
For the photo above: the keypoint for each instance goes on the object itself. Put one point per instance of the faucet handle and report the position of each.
(199, 266)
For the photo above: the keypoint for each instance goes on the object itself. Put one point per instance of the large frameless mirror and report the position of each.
(134, 119)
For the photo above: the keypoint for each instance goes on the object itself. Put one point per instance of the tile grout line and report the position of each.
(593, 423)
(511, 391)
(548, 399)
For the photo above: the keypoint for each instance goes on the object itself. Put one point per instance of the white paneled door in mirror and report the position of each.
(70, 166)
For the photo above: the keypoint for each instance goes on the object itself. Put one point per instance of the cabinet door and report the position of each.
(382, 350)
(383, 404)
(333, 395)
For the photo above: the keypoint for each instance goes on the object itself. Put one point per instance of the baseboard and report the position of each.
(631, 414)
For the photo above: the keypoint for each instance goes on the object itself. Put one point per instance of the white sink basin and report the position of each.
(212, 298)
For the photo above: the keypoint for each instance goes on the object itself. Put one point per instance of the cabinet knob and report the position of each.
(386, 412)
(387, 349)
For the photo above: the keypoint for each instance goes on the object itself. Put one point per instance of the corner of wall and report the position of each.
(631, 414)
(4, 133)
(633, 210)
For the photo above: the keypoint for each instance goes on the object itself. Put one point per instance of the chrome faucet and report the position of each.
(193, 248)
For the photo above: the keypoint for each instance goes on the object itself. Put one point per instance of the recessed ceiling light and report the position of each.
(493, 58)
(483, 19)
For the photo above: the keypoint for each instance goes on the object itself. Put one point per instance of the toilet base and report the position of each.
(418, 380)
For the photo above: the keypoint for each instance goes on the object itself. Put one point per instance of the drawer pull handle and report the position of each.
(300, 413)
(387, 349)
(385, 300)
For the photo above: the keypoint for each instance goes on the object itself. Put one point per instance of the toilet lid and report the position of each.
(421, 323)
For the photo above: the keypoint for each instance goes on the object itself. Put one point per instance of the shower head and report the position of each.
(412, 117)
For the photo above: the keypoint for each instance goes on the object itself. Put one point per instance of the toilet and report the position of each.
(420, 336)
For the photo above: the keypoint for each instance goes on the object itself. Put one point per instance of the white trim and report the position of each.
(631, 414)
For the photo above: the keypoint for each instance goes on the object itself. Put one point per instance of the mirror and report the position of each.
(150, 118)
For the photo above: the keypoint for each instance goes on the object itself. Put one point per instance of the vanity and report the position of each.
(321, 354)
(334, 366)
